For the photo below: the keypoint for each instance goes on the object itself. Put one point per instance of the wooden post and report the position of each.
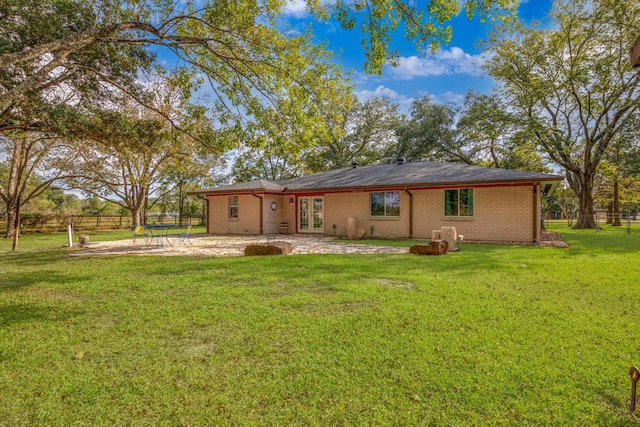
(70, 234)
(634, 372)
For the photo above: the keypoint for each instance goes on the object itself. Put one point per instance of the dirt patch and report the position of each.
(551, 238)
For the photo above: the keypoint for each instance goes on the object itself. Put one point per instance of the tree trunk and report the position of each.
(16, 228)
(136, 216)
(11, 221)
(585, 210)
(609, 213)
(616, 205)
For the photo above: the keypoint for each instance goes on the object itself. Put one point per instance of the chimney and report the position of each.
(400, 160)
(354, 164)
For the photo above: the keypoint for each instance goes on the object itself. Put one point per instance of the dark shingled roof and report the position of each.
(405, 174)
(415, 173)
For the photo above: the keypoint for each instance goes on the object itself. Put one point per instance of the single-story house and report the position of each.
(399, 200)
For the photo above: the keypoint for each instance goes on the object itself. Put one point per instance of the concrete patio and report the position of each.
(221, 246)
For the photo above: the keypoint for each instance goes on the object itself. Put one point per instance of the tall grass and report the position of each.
(496, 335)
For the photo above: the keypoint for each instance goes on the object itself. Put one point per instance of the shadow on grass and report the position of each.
(16, 281)
(621, 408)
(32, 257)
(13, 314)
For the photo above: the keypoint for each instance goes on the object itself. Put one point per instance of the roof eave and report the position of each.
(443, 184)
(239, 190)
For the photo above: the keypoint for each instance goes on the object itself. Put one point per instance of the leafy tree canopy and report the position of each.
(572, 85)
(236, 44)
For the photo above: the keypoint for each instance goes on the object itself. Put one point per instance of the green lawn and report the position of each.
(497, 335)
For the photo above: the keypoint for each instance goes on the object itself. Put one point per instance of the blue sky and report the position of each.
(446, 76)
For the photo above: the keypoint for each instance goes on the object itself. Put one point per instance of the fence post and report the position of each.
(70, 234)
(634, 373)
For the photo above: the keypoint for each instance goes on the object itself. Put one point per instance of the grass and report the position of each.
(496, 335)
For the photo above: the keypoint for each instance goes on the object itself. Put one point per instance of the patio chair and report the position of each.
(184, 237)
(140, 231)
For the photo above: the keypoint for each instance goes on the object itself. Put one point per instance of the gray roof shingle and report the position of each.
(406, 174)
(412, 174)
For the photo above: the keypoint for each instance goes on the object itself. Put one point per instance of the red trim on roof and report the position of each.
(381, 188)
(412, 188)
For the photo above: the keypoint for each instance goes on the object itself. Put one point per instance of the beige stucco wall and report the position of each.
(289, 212)
(272, 218)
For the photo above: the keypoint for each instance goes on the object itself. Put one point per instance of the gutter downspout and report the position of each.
(206, 214)
(536, 220)
(406, 190)
(261, 213)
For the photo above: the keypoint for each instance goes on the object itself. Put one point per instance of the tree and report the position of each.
(33, 162)
(236, 44)
(564, 200)
(378, 20)
(130, 154)
(125, 159)
(186, 174)
(428, 133)
(270, 163)
(366, 135)
(488, 134)
(32, 78)
(237, 47)
(572, 85)
(616, 181)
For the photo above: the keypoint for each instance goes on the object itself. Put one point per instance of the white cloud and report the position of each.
(382, 91)
(451, 97)
(443, 62)
(379, 92)
(296, 8)
(448, 97)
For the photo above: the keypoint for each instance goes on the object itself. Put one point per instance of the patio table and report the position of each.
(160, 232)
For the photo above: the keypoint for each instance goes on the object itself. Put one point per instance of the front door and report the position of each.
(311, 214)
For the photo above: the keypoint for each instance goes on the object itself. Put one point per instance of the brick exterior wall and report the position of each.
(501, 213)
(248, 221)
(339, 207)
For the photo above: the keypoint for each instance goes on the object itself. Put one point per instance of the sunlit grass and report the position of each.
(504, 335)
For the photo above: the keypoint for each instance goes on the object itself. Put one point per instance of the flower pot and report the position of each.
(83, 239)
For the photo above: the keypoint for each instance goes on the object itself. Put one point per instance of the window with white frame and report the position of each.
(233, 207)
(385, 204)
(458, 202)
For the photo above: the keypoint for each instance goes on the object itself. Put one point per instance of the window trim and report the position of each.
(232, 202)
(457, 215)
(384, 205)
